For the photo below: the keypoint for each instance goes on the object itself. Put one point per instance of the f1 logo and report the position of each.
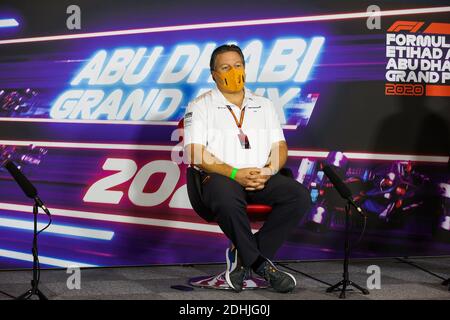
(411, 26)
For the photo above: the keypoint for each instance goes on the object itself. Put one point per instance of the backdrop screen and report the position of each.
(91, 116)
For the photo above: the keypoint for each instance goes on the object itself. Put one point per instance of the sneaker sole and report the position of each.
(292, 277)
(229, 266)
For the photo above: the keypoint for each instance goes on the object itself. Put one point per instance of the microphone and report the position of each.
(27, 187)
(341, 188)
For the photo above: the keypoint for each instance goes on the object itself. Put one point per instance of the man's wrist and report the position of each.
(273, 171)
(233, 173)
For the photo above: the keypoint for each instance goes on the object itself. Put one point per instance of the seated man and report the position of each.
(235, 138)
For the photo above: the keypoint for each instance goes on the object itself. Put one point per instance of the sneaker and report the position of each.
(235, 273)
(280, 281)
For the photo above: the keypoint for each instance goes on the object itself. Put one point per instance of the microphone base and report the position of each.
(346, 284)
(34, 291)
(447, 283)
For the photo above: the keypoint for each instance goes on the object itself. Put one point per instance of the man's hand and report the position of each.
(246, 177)
(258, 179)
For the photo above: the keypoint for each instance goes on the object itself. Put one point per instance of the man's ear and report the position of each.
(212, 75)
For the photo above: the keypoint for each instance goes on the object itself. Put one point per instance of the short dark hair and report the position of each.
(224, 48)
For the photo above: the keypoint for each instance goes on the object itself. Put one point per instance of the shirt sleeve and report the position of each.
(195, 124)
(276, 132)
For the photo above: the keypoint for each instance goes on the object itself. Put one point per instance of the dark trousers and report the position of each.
(227, 199)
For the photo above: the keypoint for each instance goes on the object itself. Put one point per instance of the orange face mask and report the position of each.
(233, 80)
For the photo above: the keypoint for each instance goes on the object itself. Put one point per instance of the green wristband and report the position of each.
(233, 173)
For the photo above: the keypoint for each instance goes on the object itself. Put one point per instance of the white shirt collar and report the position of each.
(218, 96)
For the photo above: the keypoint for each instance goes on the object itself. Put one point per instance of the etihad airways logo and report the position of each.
(418, 62)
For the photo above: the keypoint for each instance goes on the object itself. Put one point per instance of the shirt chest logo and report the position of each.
(254, 108)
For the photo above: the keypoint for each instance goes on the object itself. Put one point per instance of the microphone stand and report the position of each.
(447, 283)
(346, 282)
(34, 291)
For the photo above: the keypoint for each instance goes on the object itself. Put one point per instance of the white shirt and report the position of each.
(208, 122)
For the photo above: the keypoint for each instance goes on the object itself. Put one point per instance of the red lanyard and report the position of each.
(241, 120)
(243, 139)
